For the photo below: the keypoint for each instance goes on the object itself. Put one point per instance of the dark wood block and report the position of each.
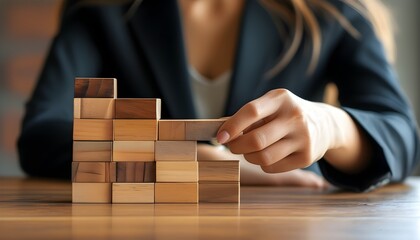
(219, 171)
(219, 192)
(136, 172)
(138, 108)
(95, 88)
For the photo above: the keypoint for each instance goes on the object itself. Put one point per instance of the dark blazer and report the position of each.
(146, 54)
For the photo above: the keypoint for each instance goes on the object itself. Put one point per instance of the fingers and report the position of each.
(249, 114)
(293, 161)
(260, 138)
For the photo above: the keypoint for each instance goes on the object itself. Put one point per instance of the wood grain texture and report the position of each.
(202, 129)
(133, 193)
(223, 192)
(96, 108)
(135, 130)
(95, 88)
(186, 171)
(92, 129)
(136, 172)
(138, 108)
(219, 171)
(176, 151)
(92, 151)
(171, 130)
(77, 105)
(133, 151)
(90, 172)
(91, 192)
(176, 192)
(33, 208)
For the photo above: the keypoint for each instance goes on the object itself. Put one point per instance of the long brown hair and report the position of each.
(299, 15)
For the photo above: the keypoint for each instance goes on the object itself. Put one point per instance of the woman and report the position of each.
(264, 63)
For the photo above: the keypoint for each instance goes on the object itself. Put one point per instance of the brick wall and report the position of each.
(26, 28)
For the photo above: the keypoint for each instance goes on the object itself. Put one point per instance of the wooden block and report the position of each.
(95, 88)
(176, 192)
(135, 130)
(172, 130)
(76, 107)
(202, 129)
(218, 171)
(92, 129)
(90, 172)
(94, 108)
(125, 151)
(177, 171)
(133, 193)
(112, 172)
(138, 108)
(219, 192)
(176, 151)
(136, 172)
(92, 151)
(91, 192)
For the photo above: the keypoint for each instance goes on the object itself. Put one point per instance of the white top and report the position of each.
(210, 96)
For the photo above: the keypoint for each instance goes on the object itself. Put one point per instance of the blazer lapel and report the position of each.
(258, 47)
(158, 28)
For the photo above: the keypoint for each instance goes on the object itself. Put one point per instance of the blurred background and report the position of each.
(27, 27)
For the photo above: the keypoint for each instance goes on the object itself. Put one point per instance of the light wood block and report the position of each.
(136, 172)
(176, 151)
(92, 129)
(90, 172)
(138, 108)
(219, 192)
(133, 192)
(177, 171)
(202, 129)
(94, 108)
(95, 88)
(176, 192)
(91, 192)
(135, 130)
(92, 151)
(172, 130)
(219, 171)
(133, 151)
(77, 104)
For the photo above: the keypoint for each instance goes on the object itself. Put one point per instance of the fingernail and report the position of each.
(223, 137)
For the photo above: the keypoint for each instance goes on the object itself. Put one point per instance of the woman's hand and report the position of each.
(281, 132)
(253, 175)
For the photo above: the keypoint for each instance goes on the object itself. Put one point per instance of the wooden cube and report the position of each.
(95, 88)
(133, 192)
(92, 151)
(133, 151)
(176, 151)
(176, 192)
(202, 129)
(94, 108)
(135, 172)
(186, 171)
(90, 172)
(172, 130)
(138, 108)
(91, 192)
(92, 129)
(135, 130)
(219, 171)
(219, 192)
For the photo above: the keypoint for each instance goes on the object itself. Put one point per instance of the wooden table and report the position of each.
(42, 209)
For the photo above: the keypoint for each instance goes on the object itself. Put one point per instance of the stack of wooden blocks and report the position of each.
(124, 153)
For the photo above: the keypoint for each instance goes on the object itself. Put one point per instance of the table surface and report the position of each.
(42, 209)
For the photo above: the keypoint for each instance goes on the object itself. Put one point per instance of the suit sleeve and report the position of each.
(45, 141)
(370, 93)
